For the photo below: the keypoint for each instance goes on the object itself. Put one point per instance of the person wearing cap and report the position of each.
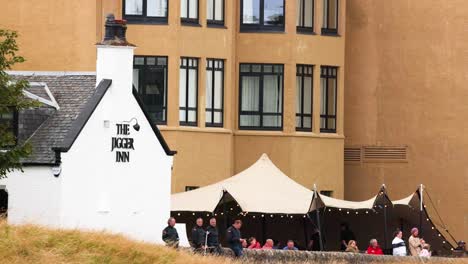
(415, 243)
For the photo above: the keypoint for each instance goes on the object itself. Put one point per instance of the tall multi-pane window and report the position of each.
(304, 95)
(145, 11)
(330, 17)
(262, 15)
(150, 79)
(328, 98)
(188, 91)
(215, 12)
(261, 96)
(305, 15)
(214, 92)
(9, 125)
(189, 11)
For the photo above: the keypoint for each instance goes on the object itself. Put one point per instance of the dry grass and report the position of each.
(32, 244)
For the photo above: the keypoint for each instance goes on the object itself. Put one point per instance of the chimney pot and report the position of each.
(115, 32)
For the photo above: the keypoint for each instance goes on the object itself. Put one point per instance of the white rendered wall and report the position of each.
(98, 193)
(33, 196)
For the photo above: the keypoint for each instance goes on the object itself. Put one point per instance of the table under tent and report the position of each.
(272, 205)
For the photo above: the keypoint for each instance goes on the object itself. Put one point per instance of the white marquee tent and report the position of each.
(261, 188)
(264, 190)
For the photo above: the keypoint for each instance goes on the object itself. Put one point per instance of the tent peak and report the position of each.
(264, 157)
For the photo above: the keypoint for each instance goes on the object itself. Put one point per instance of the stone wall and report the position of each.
(282, 256)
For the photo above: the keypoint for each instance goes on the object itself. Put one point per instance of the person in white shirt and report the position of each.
(398, 244)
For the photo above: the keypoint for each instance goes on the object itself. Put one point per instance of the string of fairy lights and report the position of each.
(230, 212)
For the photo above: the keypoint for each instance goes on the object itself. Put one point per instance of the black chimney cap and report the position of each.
(115, 32)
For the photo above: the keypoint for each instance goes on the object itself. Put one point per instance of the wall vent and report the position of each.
(385, 154)
(352, 154)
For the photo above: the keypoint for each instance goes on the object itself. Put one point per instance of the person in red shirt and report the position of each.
(374, 248)
(254, 244)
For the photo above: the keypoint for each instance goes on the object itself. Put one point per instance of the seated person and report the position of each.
(352, 247)
(290, 246)
(425, 251)
(254, 244)
(374, 248)
(268, 244)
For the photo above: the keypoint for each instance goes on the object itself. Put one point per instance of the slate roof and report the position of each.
(71, 92)
(77, 96)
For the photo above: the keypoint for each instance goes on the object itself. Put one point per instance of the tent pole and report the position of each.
(226, 224)
(320, 229)
(384, 192)
(421, 208)
(306, 238)
(385, 227)
(318, 219)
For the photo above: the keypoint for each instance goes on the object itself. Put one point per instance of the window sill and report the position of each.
(327, 33)
(304, 31)
(283, 134)
(142, 22)
(190, 23)
(213, 25)
(261, 29)
(196, 129)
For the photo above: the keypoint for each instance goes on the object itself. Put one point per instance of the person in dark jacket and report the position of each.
(198, 235)
(213, 237)
(170, 235)
(234, 239)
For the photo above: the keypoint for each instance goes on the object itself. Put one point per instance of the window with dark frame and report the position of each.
(214, 92)
(191, 188)
(328, 98)
(188, 91)
(215, 12)
(304, 97)
(150, 80)
(189, 11)
(305, 15)
(330, 17)
(261, 96)
(262, 15)
(327, 193)
(145, 11)
(9, 124)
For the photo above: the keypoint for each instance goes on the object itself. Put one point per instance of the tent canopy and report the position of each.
(261, 188)
(320, 200)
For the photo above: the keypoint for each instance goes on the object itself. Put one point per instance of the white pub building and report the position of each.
(98, 163)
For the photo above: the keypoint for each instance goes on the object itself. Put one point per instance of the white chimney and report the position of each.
(115, 57)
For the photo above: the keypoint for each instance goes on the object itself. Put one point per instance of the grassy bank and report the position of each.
(38, 245)
(32, 244)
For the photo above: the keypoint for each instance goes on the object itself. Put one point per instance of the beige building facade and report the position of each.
(293, 39)
(405, 111)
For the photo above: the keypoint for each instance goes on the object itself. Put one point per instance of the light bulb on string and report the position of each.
(347, 212)
(193, 213)
(271, 216)
(282, 216)
(367, 212)
(178, 214)
(304, 216)
(263, 215)
(291, 216)
(329, 210)
(357, 212)
(339, 209)
(253, 216)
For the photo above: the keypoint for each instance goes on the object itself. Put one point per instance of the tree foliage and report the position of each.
(12, 100)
